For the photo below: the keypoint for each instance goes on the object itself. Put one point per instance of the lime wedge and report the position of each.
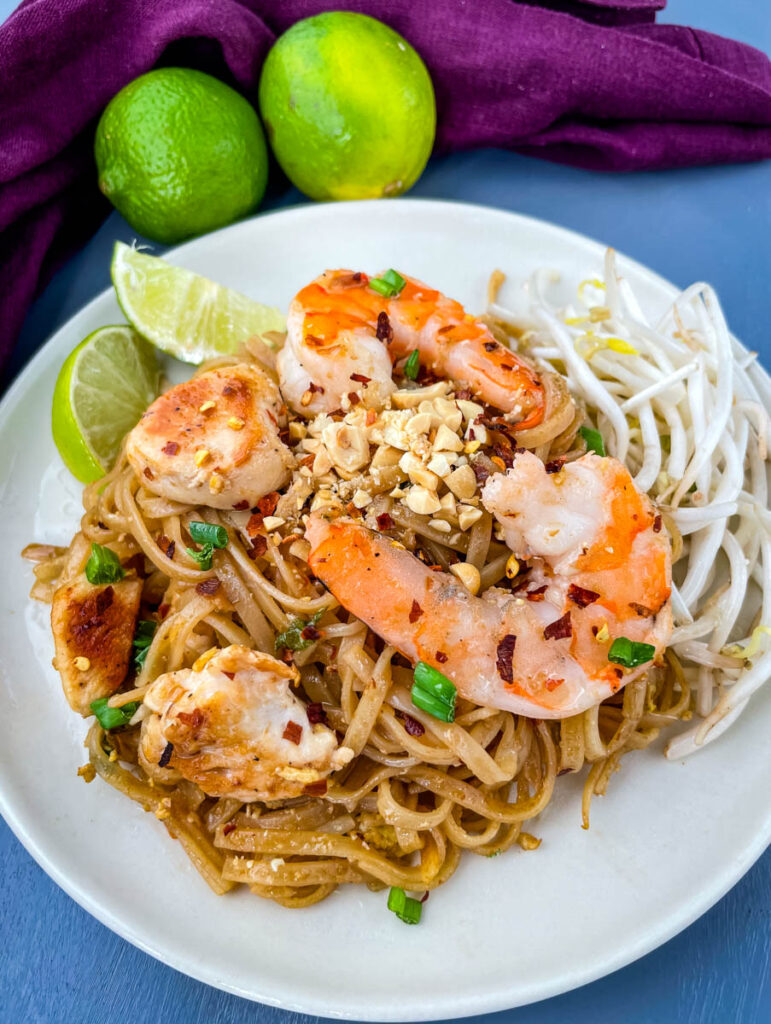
(104, 386)
(182, 313)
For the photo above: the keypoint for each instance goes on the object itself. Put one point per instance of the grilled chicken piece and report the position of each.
(213, 440)
(93, 628)
(232, 725)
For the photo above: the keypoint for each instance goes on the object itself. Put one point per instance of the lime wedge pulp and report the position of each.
(183, 313)
(103, 387)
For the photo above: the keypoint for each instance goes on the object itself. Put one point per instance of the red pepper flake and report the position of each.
(307, 460)
(170, 448)
(293, 732)
(385, 331)
(436, 568)
(555, 465)
(241, 506)
(254, 524)
(657, 524)
(581, 596)
(559, 629)
(385, 522)
(316, 713)
(415, 612)
(491, 346)
(536, 594)
(315, 388)
(163, 611)
(552, 684)
(411, 725)
(310, 633)
(507, 366)
(208, 586)
(642, 610)
(258, 548)
(230, 827)
(464, 394)
(316, 788)
(360, 378)
(101, 525)
(230, 675)
(504, 658)
(149, 473)
(441, 657)
(165, 757)
(424, 897)
(166, 545)
(472, 436)
(194, 719)
(267, 503)
(287, 656)
(619, 672)
(353, 398)
(481, 471)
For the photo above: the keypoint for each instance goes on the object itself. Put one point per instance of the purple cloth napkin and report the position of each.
(590, 82)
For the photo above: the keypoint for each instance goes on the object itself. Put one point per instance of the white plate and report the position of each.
(665, 843)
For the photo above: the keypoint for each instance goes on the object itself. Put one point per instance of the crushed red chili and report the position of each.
(208, 586)
(316, 713)
(559, 629)
(258, 548)
(293, 732)
(385, 522)
(360, 378)
(230, 827)
(552, 684)
(581, 596)
(165, 757)
(230, 675)
(537, 594)
(267, 503)
(504, 656)
(415, 612)
(241, 506)
(657, 524)
(167, 545)
(316, 788)
(170, 448)
(441, 657)
(384, 330)
(411, 725)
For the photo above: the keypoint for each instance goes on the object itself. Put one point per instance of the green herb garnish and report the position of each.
(630, 653)
(390, 284)
(208, 533)
(405, 907)
(593, 438)
(103, 566)
(113, 718)
(203, 557)
(292, 638)
(142, 640)
(412, 366)
(433, 692)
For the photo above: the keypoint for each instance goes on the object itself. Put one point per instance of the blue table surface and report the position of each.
(59, 964)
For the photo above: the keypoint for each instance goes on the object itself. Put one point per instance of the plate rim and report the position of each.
(488, 1002)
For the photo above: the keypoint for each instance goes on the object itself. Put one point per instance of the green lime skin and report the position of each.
(348, 106)
(180, 153)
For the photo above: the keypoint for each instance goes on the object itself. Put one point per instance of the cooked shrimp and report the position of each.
(232, 725)
(600, 570)
(343, 336)
(93, 628)
(213, 440)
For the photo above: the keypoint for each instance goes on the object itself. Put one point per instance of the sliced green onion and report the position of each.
(113, 718)
(630, 653)
(412, 366)
(390, 284)
(433, 692)
(405, 907)
(203, 557)
(142, 640)
(292, 638)
(103, 566)
(593, 438)
(209, 533)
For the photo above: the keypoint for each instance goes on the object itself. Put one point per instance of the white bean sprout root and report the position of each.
(686, 409)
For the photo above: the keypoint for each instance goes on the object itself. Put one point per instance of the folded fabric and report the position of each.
(590, 82)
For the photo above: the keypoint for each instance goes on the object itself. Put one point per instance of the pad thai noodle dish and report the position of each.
(352, 600)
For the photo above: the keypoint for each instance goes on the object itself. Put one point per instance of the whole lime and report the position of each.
(180, 153)
(348, 106)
